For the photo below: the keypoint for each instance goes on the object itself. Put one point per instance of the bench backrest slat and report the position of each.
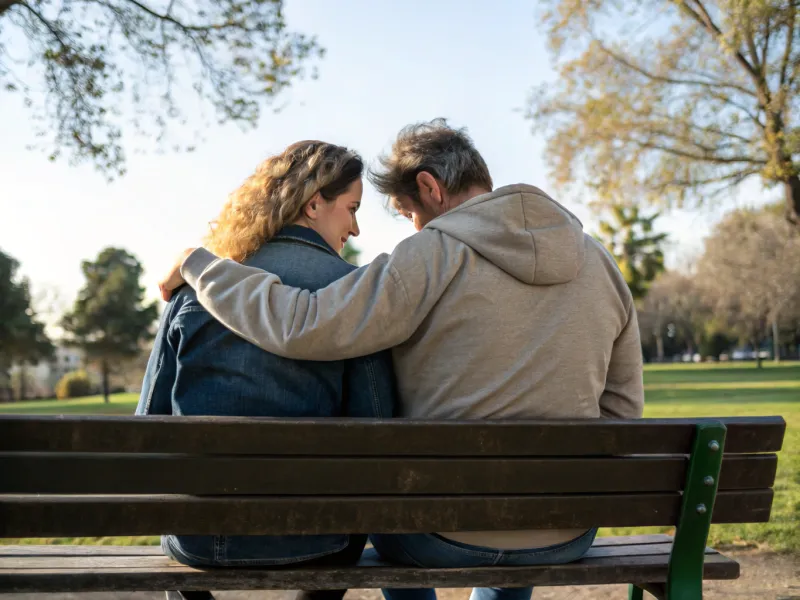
(363, 437)
(46, 516)
(70, 473)
(102, 476)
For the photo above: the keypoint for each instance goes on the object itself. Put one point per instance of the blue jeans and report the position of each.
(434, 551)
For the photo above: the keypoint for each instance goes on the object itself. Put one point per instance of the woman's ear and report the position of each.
(312, 206)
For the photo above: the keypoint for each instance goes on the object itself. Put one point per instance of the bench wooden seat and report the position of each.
(639, 559)
(106, 476)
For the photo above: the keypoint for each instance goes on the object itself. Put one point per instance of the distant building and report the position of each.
(41, 378)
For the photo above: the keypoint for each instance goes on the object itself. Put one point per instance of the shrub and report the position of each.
(73, 385)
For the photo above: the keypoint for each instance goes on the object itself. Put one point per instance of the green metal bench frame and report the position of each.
(685, 574)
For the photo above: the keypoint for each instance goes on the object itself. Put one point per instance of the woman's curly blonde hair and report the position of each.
(274, 196)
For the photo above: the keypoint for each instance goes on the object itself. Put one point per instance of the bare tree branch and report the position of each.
(787, 50)
(730, 180)
(6, 4)
(694, 103)
(642, 71)
(693, 126)
(728, 100)
(186, 27)
(720, 160)
(100, 55)
(705, 20)
(751, 46)
(671, 135)
(750, 271)
(55, 33)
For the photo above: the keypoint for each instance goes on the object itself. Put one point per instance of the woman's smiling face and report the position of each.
(336, 219)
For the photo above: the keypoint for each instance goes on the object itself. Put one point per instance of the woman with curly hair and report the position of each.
(291, 217)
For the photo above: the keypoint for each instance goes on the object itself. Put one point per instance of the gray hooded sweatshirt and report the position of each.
(501, 308)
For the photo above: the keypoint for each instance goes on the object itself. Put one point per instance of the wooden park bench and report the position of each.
(109, 476)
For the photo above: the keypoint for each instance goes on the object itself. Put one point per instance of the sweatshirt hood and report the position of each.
(522, 231)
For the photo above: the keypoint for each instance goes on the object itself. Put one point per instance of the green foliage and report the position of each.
(96, 56)
(110, 320)
(350, 253)
(672, 102)
(22, 336)
(629, 237)
(715, 344)
(75, 384)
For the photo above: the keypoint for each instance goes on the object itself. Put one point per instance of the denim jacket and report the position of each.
(198, 367)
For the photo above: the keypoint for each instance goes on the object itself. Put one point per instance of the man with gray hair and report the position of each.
(500, 307)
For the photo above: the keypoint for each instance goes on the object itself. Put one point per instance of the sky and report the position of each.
(387, 64)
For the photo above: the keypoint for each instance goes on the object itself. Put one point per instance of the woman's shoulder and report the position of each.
(301, 265)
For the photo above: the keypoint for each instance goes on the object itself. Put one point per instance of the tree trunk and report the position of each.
(23, 392)
(757, 349)
(7, 385)
(776, 340)
(104, 367)
(660, 348)
(791, 192)
(5, 377)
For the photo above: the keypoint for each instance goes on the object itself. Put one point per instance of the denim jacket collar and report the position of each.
(304, 235)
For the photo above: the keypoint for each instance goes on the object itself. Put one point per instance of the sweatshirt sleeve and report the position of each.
(623, 397)
(373, 308)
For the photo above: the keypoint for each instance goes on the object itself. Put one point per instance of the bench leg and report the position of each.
(635, 592)
(657, 590)
(685, 571)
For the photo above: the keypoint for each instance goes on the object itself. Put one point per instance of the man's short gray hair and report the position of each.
(443, 151)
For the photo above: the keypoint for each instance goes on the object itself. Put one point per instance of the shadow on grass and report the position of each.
(760, 396)
(688, 374)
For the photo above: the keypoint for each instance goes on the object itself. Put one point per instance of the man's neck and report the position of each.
(462, 197)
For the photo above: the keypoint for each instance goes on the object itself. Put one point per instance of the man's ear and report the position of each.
(429, 190)
(312, 206)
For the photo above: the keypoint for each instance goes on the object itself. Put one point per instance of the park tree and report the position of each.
(673, 102)
(654, 319)
(688, 306)
(750, 274)
(628, 235)
(88, 69)
(33, 345)
(23, 339)
(110, 319)
(675, 300)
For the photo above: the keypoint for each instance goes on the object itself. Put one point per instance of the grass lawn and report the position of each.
(119, 404)
(720, 389)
